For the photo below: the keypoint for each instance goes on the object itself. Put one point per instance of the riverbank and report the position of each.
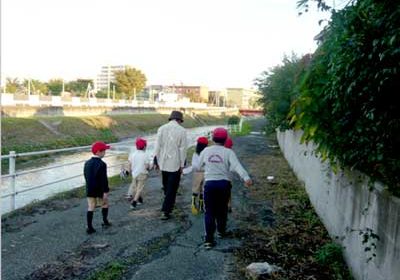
(44, 133)
(271, 221)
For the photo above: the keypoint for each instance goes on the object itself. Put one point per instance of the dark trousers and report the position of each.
(170, 181)
(216, 197)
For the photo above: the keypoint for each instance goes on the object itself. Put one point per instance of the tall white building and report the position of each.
(107, 76)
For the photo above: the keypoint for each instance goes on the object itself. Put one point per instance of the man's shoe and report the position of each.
(140, 200)
(165, 216)
(208, 245)
(90, 230)
(133, 205)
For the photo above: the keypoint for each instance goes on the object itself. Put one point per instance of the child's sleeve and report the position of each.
(130, 162)
(235, 166)
(150, 162)
(104, 177)
(201, 160)
(195, 162)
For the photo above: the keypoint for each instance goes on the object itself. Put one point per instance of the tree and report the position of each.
(347, 105)
(279, 88)
(12, 85)
(303, 5)
(55, 86)
(36, 87)
(130, 81)
(79, 86)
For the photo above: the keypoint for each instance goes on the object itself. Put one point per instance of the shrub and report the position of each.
(233, 120)
(348, 98)
(279, 87)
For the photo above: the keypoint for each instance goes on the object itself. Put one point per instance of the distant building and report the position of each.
(217, 97)
(107, 76)
(168, 97)
(194, 93)
(243, 98)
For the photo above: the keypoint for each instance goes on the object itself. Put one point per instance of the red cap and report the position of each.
(228, 143)
(99, 146)
(220, 133)
(140, 143)
(202, 140)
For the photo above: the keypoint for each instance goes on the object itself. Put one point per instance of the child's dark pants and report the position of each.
(216, 197)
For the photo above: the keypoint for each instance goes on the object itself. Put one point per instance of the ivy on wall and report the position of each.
(347, 99)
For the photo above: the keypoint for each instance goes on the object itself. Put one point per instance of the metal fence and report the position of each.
(13, 174)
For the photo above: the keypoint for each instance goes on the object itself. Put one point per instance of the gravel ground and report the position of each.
(51, 243)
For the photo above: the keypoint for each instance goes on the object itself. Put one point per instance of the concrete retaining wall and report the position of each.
(23, 111)
(349, 205)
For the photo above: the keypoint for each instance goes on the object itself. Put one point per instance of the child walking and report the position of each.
(218, 162)
(139, 167)
(95, 173)
(198, 177)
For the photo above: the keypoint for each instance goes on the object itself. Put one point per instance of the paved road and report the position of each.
(51, 243)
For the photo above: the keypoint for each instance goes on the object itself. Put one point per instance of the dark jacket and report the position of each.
(95, 172)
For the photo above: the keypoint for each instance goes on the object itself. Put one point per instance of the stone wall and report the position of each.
(349, 205)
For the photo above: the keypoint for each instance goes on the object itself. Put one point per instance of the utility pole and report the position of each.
(29, 87)
(108, 82)
(5, 86)
(150, 94)
(113, 92)
(63, 86)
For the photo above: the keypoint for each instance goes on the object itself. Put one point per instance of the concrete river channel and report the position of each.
(117, 155)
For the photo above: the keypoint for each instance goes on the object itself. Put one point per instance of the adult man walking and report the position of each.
(170, 156)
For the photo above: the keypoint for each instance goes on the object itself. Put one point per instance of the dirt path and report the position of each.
(52, 243)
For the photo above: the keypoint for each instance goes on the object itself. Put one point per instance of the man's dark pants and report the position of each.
(216, 197)
(170, 181)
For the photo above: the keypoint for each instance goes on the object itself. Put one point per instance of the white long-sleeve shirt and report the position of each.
(219, 161)
(171, 146)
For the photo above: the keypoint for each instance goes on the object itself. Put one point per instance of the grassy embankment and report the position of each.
(42, 133)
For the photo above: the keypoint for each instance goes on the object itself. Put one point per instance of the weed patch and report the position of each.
(297, 241)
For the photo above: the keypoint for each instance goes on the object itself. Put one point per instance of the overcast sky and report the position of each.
(217, 43)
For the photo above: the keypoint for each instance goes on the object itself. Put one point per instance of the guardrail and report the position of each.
(13, 174)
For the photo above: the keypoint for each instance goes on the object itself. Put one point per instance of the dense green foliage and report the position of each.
(347, 101)
(348, 104)
(233, 120)
(279, 88)
(130, 81)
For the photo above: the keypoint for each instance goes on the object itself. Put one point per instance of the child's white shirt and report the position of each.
(140, 162)
(196, 163)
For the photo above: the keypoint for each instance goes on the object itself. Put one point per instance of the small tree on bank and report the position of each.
(130, 81)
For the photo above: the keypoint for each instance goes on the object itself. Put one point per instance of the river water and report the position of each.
(117, 155)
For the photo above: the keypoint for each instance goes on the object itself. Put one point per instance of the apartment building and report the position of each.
(243, 98)
(107, 76)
